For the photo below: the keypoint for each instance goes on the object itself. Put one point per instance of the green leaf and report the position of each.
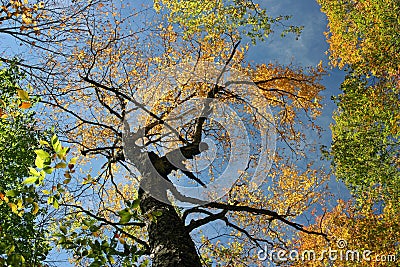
(46, 192)
(87, 222)
(39, 162)
(110, 259)
(157, 213)
(136, 203)
(45, 143)
(56, 144)
(30, 180)
(73, 160)
(42, 154)
(125, 216)
(105, 244)
(62, 152)
(11, 250)
(63, 229)
(34, 172)
(55, 204)
(94, 228)
(42, 175)
(96, 264)
(23, 94)
(11, 193)
(57, 147)
(48, 169)
(54, 139)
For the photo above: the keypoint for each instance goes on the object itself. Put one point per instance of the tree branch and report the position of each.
(273, 215)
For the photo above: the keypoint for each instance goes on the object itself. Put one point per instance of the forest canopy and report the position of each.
(144, 135)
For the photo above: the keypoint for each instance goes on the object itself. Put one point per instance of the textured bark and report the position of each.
(169, 240)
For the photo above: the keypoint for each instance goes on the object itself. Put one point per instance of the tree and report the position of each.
(364, 34)
(26, 18)
(363, 37)
(109, 67)
(23, 241)
(366, 139)
(359, 237)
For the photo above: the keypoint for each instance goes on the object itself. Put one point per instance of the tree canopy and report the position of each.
(364, 34)
(171, 148)
(363, 38)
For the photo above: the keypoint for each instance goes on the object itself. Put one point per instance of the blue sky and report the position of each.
(308, 50)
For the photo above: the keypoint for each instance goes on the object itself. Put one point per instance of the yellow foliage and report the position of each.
(351, 229)
(364, 34)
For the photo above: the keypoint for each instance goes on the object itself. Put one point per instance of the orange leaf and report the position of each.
(25, 105)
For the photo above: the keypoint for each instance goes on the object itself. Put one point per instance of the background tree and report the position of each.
(365, 144)
(357, 230)
(22, 231)
(363, 35)
(363, 38)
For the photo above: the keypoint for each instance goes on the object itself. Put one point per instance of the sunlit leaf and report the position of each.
(30, 180)
(25, 105)
(23, 95)
(42, 154)
(11, 193)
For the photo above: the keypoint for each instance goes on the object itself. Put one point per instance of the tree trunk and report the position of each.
(169, 240)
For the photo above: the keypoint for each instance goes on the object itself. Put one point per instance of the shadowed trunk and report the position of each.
(169, 240)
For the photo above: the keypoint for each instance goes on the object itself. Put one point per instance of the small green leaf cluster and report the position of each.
(216, 18)
(96, 245)
(50, 157)
(131, 211)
